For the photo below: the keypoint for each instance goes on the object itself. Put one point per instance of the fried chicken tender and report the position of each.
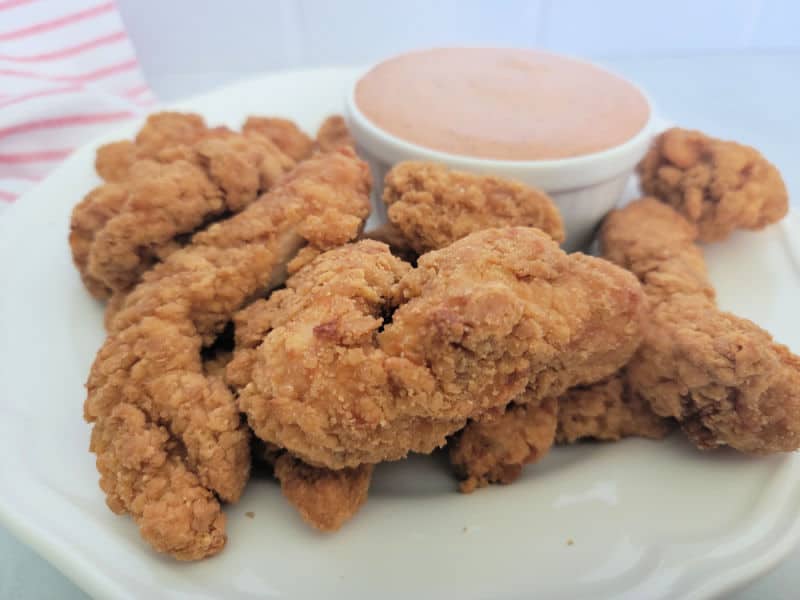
(285, 134)
(89, 216)
(325, 499)
(657, 245)
(722, 377)
(161, 130)
(333, 134)
(433, 206)
(324, 376)
(152, 363)
(608, 410)
(720, 186)
(494, 449)
(121, 230)
(144, 473)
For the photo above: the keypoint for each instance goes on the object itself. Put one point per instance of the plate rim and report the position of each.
(77, 566)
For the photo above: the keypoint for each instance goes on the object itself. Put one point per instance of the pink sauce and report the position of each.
(501, 103)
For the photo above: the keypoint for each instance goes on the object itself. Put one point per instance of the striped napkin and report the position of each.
(67, 71)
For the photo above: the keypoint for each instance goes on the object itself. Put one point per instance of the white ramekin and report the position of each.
(584, 187)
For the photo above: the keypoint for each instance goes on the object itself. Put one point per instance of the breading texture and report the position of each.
(143, 474)
(657, 245)
(718, 185)
(333, 134)
(494, 449)
(151, 362)
(722, 377)
(121, 230)
(325, 376)
(608, 410)
(89, 216)
(161, 131)
(324, 498)
(285, 134)
(433, 206)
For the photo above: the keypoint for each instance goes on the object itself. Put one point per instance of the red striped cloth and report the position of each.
(67, 71)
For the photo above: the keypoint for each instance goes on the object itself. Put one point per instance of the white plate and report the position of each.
(646, 519)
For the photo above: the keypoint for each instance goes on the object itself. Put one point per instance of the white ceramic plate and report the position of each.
(636, 519)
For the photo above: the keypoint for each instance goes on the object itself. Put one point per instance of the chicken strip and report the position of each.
(478, 322)
(333, 134)
(722, 377)
(325, 499)
(161, 130)
(121, 230)
(89, 216)
(720, 186)
(607, 411)
(433, 206)
(143, 472)
(494, 449)
(285, 134)
(151, 364)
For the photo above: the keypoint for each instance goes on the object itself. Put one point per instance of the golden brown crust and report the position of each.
(720, 186)
(657, 245)
(152, 361)
(325, 499)
(608, 410)
(114, 160)
(89, 216)
(143, 474)
(159, 201)
(433, 206)
(477, 323)
(722, 377)
(494, 450)
(285, 134)
(161, 131)
(333, 134)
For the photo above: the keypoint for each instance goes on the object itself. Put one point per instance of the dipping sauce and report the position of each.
(501, 103)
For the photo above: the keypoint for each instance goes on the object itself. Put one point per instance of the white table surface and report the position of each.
(750, 97)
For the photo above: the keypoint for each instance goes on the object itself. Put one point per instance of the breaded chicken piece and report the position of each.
(722, 377)
(152, 362)
(608, 411)
(160, 131)
(433, 206)
(159, 202)
(143, 473)
(325, 499)
(285, 134)
(720, 186)
(478, 322)
(333, 134)
(114, 160)
(657, 245)
(494, 449)
(89, 216)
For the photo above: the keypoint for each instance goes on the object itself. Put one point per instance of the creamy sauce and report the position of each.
(501, 103)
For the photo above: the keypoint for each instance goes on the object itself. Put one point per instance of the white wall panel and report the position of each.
(186, 46)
